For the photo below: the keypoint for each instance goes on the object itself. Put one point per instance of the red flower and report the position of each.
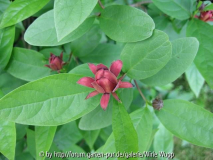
(56, 62)
(105, 81)
(205, 16)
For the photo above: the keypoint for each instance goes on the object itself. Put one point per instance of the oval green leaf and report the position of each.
(42, 31)
(126, 24)
(43, 139)
(27, 65)
(103, 53)
(144, 59)
(126, 138)
(195, 79)
(175, 8)
(20, 10)
(70, 14)
(188, 121)
(8, 139)
(184, 51)
(204, 58)
(56, 100)
(7, 36)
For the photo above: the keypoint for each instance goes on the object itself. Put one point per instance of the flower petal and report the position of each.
(106, 84)
(110, 76)
(92, 67)
(116, 97)
(92, 94)
(101, 66)
(117, 86)
(116, 67)
(97, 87)
(99, 74)
(125, 85)
(105, 100)
(86, 81)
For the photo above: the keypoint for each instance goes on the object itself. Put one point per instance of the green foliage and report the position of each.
(129, 24)
(27, 65)
(43, 139)
(138, 58)
(186, 122)
(136, 51)
(70, 14)
(7, 36)
(20, 10)
(125, 135)
(204, 57)
(179, 9)
(7, 139)
(49, 103)
(184, 51)
(43, 32)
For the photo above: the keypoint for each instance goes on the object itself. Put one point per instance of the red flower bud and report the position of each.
(206, 16)
(105, 81)
(56, 62)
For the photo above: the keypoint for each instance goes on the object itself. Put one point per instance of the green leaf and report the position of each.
(163, 141)
(3, 6)
(184, 51)
(70, 14)
(46, 51)
(195, 79)
(7, 36)
(100, 118)
(126, 138)
(31, 142)
(103, 53)
(90, 137)
(57, 99)
(20, 131)
(43, 139)
(179, 9)
(20, 10)
(142, 120)
(87, 43)
(204, 58)
(138, 58)
(7, 139)
(67, 135)
(27, 65)
(42, 31)
(9, 83)
(76, 149)
(187, 121)
(126, 24)
(209, 7)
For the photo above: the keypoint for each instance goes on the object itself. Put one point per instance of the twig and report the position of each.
(140, 3)
(140, 91)
(102, 6)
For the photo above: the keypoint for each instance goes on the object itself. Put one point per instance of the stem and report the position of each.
(70, 56)
(102, 6)
(140, 3)
(140, 91)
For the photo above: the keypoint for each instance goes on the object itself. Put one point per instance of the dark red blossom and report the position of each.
(56, 62)
(205, 16)
(105, 81)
